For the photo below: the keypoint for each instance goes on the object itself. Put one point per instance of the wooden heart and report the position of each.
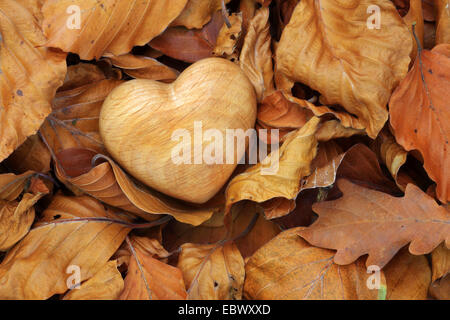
(145, 124)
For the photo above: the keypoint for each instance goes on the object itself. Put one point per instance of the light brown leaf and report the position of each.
(16, 218)
(37, 267)
(109, 183)
(415, 17)
(150, 279)
(11, 185)
(228, 38)
(318, 48)
(366, 221)
(106, 284)
(31, 155)
(106, 26)
(143, 67)
(256, 54)
(285, 167)
(212, 272)
(441, 289)
(288, 268)
(29, 75)
(420, 115)
(407, 276)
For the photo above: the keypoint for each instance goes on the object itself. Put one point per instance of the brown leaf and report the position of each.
(420, 115)
(16, 218)
(415, 17)
(256, 54)
(31, 155)
(39, 266)
(73, 122)
(109, 183)
(318, 48)
(440, 262)
(285, 167)
(289, 268)
(29, 75)
(143, 67)
(197, 13)
(189, 45)
(150, 279)
(443, 21)
(407, 277)
(11, 185)
(106, 26)
(366, 221)
(106, 284)
(212, 272)
(441, 289)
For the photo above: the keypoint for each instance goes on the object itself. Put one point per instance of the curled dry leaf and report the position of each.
(29, 75)
(443, 21)
(279, 174)
(150, 279)
(366, 221)
(106, 284)
(256, 54)
(212, 272)
(106, 26)
(289, 268)
(16, 218)
(109, 183)
(11, 185)
(407, 277)
(440, 262)
(73, 122)
(441, 289)
(74, 231)
(190, 45)
(317, 48)
(420, 115)
(31, 155)
(142, 67)
(228, 38)
(197, 13)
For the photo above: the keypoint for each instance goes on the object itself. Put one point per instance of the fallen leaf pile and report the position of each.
(354, 100)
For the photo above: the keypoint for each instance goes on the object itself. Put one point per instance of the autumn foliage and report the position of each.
(355, 93)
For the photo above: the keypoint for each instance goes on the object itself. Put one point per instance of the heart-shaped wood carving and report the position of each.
(148, 126)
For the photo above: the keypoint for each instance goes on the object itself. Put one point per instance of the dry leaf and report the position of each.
(287, 268)
(11, 185)
(31, 155)
(109, 183)
(228, 37)
(106, 284)
(42, 264)
(440, 262)
(287, 167)
(197, 13)
(366, 221)
(106, 26)
(441, 289)
(150, 279)
(318, 48)
(415, 17)
(212, 272)
(420, 115)
(256, 54)
(29, 75)
(407, 277)
(443, 21)
(16, 218)
(142, 67)
(189, 45)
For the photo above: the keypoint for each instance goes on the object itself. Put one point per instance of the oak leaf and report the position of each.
(366, 221)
